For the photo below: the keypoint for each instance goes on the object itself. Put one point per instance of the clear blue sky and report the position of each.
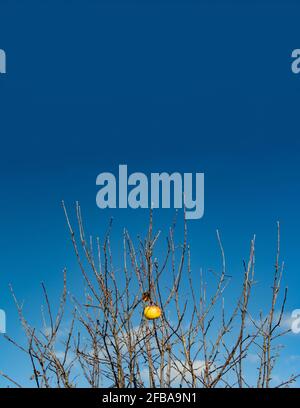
(203, 87)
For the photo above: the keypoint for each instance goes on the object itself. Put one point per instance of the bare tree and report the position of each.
(196, 342)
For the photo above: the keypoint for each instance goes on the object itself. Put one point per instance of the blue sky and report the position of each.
(181, 86)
